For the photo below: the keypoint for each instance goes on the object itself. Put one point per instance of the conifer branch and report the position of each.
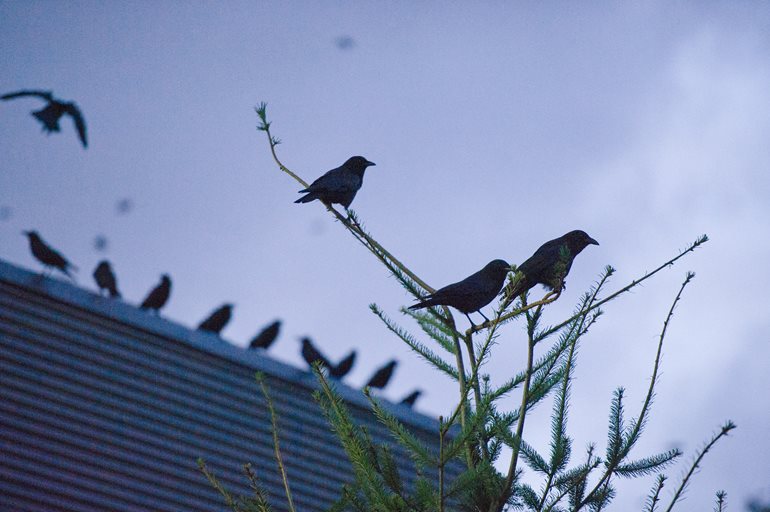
(229, 500)
(726, 428)
(654, 498)
(624, 446)
(276, 446)
(441, 463)
(721, 502)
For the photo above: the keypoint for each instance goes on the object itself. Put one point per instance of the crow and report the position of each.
(411, 398)
(217, 320)
(47, 255)
(549, 265)
(266, 336)
(105, 279)
(49, 116)
(311, 354)
(472, 293)
(382, 375)
(339, 185)
(344, 366)
(158, 297)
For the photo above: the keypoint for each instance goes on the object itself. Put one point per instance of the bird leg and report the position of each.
(485, 316)
(473, 326)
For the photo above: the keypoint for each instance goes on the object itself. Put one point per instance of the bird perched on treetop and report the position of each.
(105, 278)
(472, 293)
(266, 336)
(411, 398)
(339, 185)
(382, 376)
(549, 265)
(52, 112)
(158, 296)
(217, 320)
(47, 255)
(344, 366)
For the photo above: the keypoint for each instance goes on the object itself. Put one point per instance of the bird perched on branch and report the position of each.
(382, 376)
(340, 185)
(47, 255)
(472, 293)
(217, 320)
(158, 296)
(105, 279)
(266, 336)
(49, 115)
(411, 398)
(549, 265)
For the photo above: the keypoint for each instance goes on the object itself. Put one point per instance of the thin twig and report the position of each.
(276, 445)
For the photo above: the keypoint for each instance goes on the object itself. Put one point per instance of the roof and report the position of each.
(107, 407)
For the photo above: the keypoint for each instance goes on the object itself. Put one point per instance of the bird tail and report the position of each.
(311, 196)
(114, 293)
(423, 304)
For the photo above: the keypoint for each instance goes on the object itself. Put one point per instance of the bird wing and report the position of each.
(336, 180)
(46, 95)
(548, 254)
(80, 123)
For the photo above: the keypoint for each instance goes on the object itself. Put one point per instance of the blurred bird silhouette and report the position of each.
(47, 255)
(49, 115)
(105, 279)
(549, 265)
(217, 320)
(158, 296)
(266, 336)
(344, 366)
(311, 354)
(340, 185)
(100, 243)
(411, 398)
(382, 376)
(472, 293)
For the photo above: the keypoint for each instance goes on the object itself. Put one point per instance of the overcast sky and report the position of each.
(494, 128)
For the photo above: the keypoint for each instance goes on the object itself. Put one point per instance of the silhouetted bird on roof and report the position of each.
(411, 398)
(217, 320)
(47, 255)
(105, 278)
(266, 336)
(382, 376)
(158, 296)
(311, 354)
(472, 293)
(51, 113)
(549, 265)
(339, 185)
(344, 366)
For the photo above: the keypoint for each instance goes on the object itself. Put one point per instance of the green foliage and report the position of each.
(473, 436)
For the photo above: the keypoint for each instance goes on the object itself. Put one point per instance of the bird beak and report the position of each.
(368, 163)
(592, 241)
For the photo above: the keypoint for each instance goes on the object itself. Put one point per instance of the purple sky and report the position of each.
(494, 129)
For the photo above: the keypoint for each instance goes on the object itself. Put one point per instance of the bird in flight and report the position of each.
(340, 185)
(472, 293)
(549, 265)
(47, 255)
(50, 114)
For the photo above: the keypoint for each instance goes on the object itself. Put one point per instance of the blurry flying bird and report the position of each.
(100, 243)
(124, 206)
(339, 185)
(344, 366)
(472, 293)
(49, 116)
(411, 398)
(345, 42)
(311, 354)
(217, 320)
(382, 376)
(5, 212)
(105, 278)
(266, 336)
(158, 296)
(46, 255)
(549, 265)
